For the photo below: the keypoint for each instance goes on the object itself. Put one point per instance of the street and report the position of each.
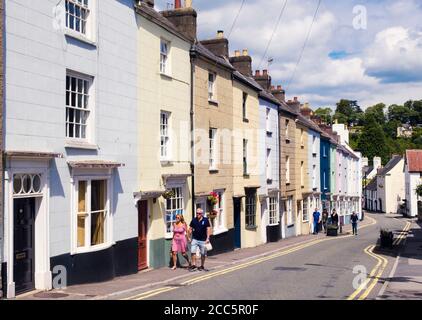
(326, 268)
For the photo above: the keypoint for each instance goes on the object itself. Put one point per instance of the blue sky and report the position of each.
(381, 63)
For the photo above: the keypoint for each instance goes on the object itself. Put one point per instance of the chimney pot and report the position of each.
(220, 34)
(257, 73)
(237, 53)
(265, 72)
(279, 88)
(177, 4)
(295, 99)
(272, 88)
(188, 3)
(245, 52)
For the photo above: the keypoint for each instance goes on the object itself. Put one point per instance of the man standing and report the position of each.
(324, 220)
(199, 233)
(317, 220)
(354, 220)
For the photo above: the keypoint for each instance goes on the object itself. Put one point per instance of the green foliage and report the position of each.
(348, 112)
(325, 114)
(376, 111)
(419, 190)
(372, 141)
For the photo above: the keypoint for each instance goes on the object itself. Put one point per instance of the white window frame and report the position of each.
(108, 229)
(268, 120)
(219, 225)
(250, 214)
(245, 157)
(165, 65)
(179, 209)
(245, 105)
(314, 182)
(165, 136)
(287, 122)
(273, 211)
(314, 145)
(89, 95)
(268, 165)
(302, 137)
(213, 148)
(289, 210)
(302, 174)
(287, 169)
(90, 22)
(305, 215)
(325, 180)
(212, 94)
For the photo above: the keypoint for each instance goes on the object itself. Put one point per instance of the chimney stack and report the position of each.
(264, 79)
(295, 104)
(184, 18)
(278, 93)
(219, 46)
(242, 63)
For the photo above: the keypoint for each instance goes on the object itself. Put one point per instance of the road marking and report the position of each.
(364, 285)
(283, 252)
(378, 276)
(403, 234)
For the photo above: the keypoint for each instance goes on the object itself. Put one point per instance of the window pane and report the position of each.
(81, 231)
(82, 197)
(98, 195)
(97, 228)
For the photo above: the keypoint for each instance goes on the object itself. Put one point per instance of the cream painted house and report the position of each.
(164, 157)
(213, 127)
(391, 185)
(246, 175)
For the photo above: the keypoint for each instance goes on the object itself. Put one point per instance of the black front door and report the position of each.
(24, 253)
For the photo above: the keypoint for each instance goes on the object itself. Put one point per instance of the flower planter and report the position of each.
(332, 230)
(386, 239)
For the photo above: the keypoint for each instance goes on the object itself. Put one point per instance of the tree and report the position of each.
(399, 113)
(373, 142)
(325, 114)
(377, 111)
(390, 128)
(416, 108)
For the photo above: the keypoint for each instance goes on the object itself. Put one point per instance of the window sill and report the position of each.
(92, 249)
(273, 224)
(245, 120)
(165, 75)
(290, 225)
(251, 228)
(73, 144)
(166, 163)
(213, 102)
(80, 37)
(305, 221)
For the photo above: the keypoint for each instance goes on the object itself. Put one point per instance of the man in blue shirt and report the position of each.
(199, 233)
(355, 219)
(317, 220)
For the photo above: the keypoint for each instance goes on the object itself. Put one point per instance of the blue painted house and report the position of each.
(325, 173)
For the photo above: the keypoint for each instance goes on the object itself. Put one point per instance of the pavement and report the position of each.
(405, 280)
(229, 273)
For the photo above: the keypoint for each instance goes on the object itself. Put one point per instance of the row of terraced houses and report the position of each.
(116, 117)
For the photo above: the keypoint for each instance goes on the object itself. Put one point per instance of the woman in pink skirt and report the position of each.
(179, 243)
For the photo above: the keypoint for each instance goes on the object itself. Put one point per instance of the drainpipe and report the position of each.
(1, 143)
(192, 126)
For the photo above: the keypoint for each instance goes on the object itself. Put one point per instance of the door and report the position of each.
(24, 251)
(237, 222)
(142, 234)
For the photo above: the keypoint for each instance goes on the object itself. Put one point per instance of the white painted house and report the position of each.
(413, 178)
(70, 142)
(391, 185)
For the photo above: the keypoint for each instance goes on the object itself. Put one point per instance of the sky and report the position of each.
(364, 50)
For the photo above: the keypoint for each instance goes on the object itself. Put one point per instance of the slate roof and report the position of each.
(247, 81)
(414, 160)
(372, 186)
(203, 51)
(149, 13)
(390, 165)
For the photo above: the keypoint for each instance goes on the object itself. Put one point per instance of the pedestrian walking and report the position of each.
(179, 242)
(354, 219)
(200, 232)
(317, 219)
(324, 220)
(334, 217)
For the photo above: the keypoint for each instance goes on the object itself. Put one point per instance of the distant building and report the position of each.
(369, 172)
(405, 131)
(413, 178)
(390, 185)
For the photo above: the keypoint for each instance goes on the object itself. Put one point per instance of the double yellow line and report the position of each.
(379, 268)
(403, 234)
(207, 276)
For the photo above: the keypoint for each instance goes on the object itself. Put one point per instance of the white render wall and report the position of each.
(314, 161)
(393, 191)
(37, 56)
(412, 181)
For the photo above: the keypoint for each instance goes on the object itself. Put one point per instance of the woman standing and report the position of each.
(179, 242)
